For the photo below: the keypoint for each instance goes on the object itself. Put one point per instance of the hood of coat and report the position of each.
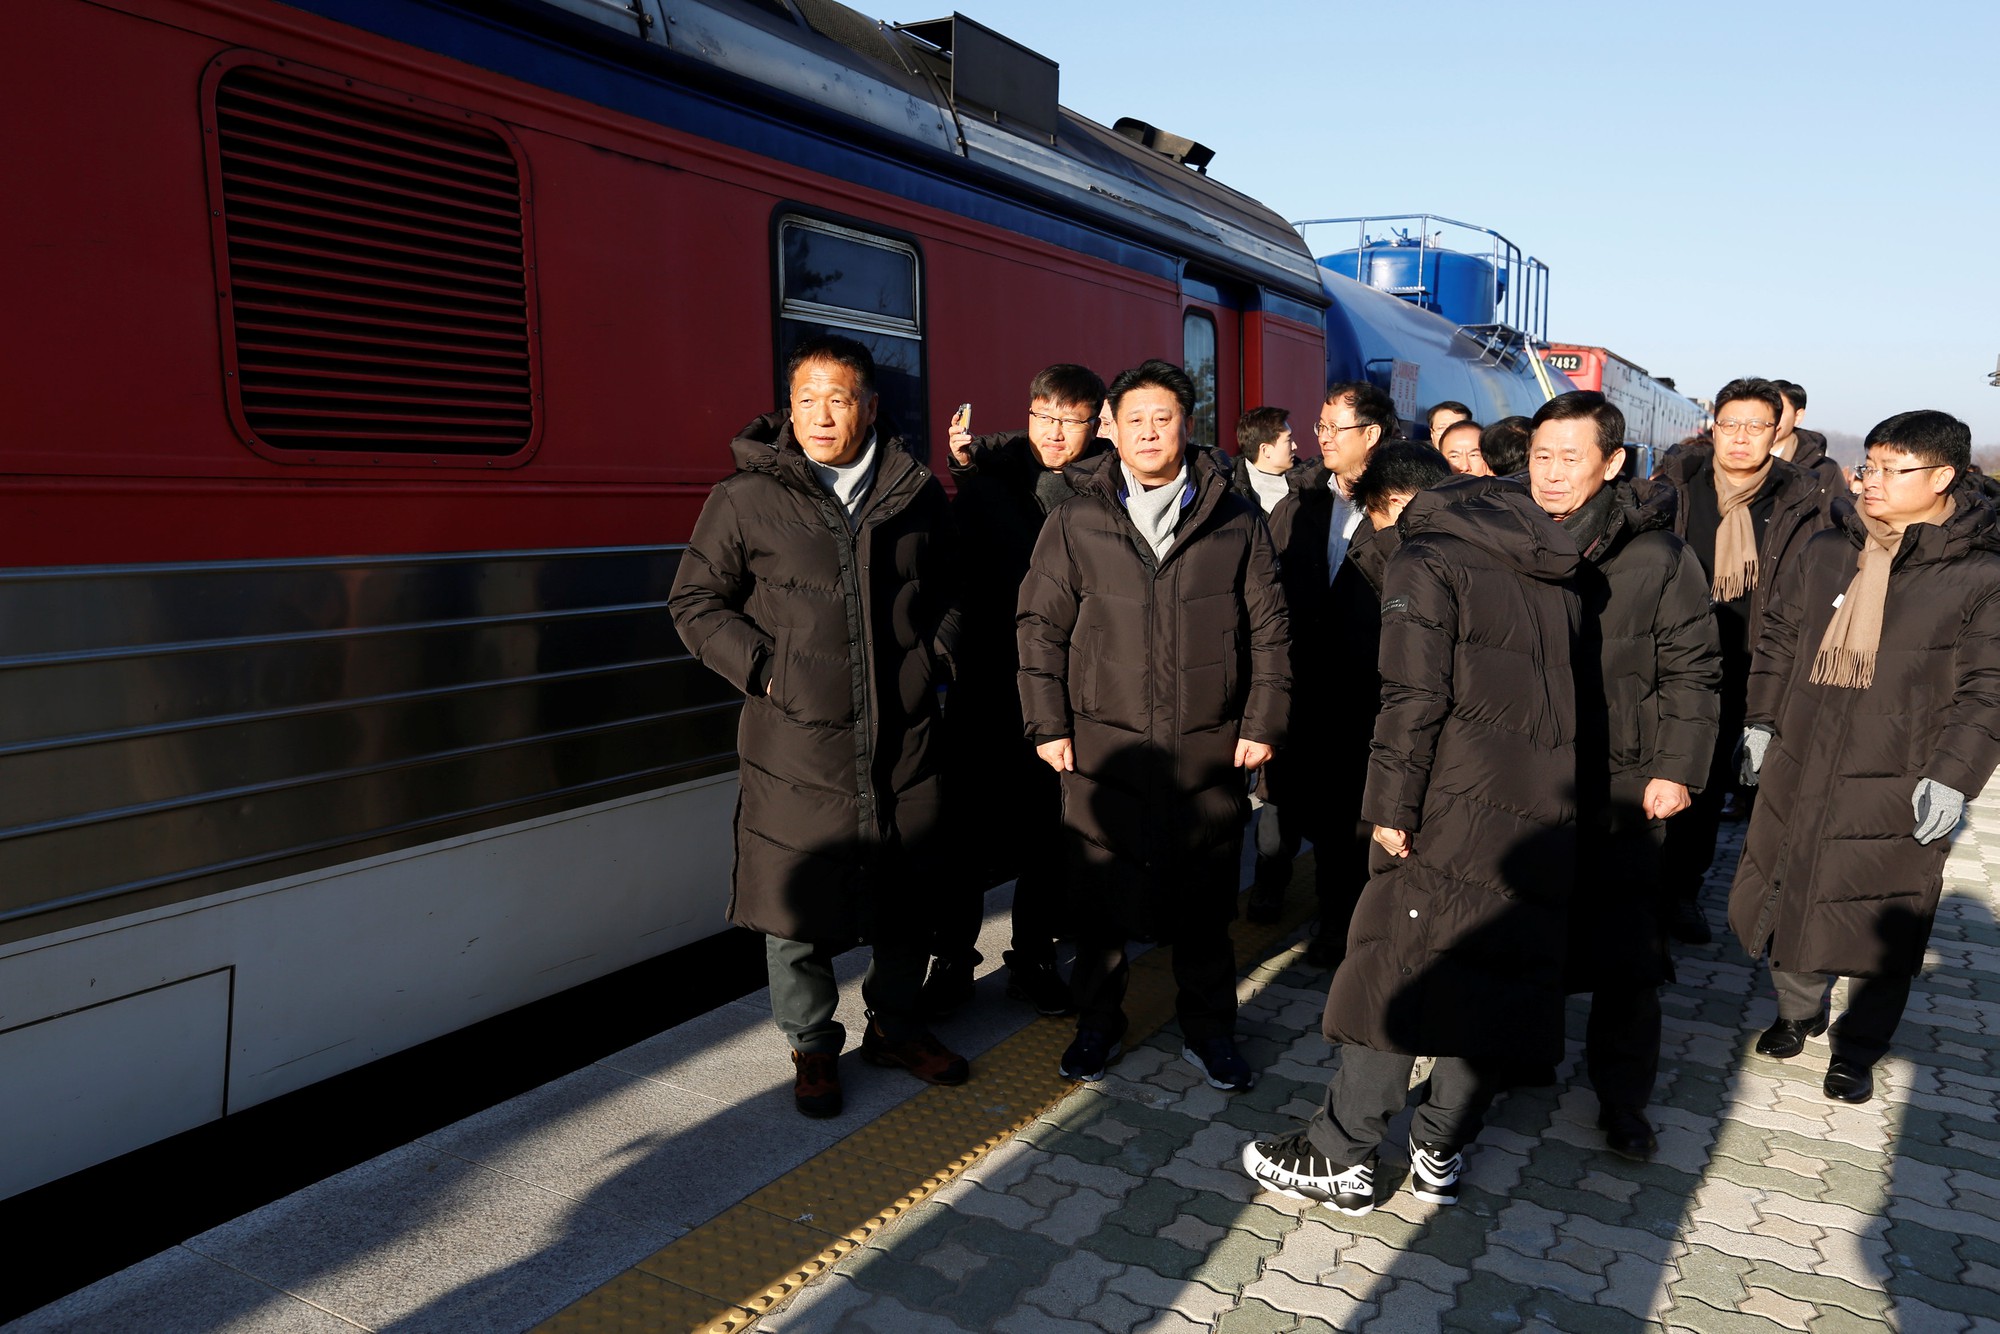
(766, 444)
(1809, 449)
(1636, 507)
(1500, 517)
(1974, 525)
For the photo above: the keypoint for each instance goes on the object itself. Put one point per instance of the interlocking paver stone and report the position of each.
(1768, 1208)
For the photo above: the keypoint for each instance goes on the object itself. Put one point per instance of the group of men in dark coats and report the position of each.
(1543, 672)
(1877, 721)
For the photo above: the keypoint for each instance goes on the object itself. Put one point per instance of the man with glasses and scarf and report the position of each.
(1743, 512)
(1874, 713)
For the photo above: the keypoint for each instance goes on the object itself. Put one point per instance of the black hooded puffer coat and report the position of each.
(1457, 950)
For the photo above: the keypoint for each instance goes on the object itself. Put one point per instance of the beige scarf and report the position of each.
(1847, 651)
(1736, 536)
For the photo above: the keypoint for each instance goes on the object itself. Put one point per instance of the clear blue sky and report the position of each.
(1805, 190)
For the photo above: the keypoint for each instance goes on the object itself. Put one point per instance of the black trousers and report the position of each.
(1874, 1009)
(1371, 1087)
(1621, 1046)
(1340, 872)
(1192, 907)
(1026, 835)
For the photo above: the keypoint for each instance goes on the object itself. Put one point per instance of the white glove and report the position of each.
(1750, 753)
(1938, 808)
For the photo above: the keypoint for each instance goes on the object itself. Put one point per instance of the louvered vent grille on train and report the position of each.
(377, 273)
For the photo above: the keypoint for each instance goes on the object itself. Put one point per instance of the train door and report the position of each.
(1284, 357)
(1212, 355)
(852, 279)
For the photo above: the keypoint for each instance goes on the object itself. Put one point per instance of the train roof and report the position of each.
(949, 88)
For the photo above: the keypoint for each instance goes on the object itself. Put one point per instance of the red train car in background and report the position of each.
(368, 361)
(1657, 415)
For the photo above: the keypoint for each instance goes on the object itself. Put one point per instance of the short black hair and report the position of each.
(1154, 374)
(1505, 445)
(1794, 393)
(836, 348)
(1372, 406)
(1467, 425)
(1928, 436)
(1578, 403)
(1067, 382)
(1750, 389)
(1400, 468)
(1259, 427)
(1449, 405)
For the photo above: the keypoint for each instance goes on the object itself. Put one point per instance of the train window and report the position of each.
(376, 298)
(836, 279)
(1198, 353)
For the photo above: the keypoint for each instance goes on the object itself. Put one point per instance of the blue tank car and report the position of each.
(1430, 322)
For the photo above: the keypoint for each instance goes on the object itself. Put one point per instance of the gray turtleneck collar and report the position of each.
(849, 482)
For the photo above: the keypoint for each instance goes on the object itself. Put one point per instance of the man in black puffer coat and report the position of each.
(1874, 715)
(818, 581)
(1153, 674)
(1456, 948)
(1006, 807)
(1646, 678)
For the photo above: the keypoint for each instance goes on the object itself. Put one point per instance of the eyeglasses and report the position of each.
(1073, 423)
(1870, 471)
(1742, 428)
(1322, 430)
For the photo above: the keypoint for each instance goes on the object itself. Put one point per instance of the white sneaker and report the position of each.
(1292, 1166)
(1434, 1171)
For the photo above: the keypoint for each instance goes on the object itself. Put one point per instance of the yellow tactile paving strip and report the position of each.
(724, 1276)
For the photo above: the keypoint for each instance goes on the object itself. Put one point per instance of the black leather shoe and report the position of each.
(947, 990)
(1787, 1038)
(1628, 1133)
(1849, 1082)
(1267, 904)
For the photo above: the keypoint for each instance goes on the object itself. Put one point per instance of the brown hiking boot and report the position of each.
(816, 1083)
(923, 1056)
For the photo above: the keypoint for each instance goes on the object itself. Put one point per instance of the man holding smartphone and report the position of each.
(1006, 805)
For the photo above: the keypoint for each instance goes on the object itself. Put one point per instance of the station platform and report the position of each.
(672, 1187)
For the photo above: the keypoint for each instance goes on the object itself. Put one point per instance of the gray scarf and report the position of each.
(1154, 513)
(849, 482)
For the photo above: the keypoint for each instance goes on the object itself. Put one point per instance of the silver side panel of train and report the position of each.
(264, 822)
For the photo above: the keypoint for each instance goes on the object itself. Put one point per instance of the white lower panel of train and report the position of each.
(123, 1032)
